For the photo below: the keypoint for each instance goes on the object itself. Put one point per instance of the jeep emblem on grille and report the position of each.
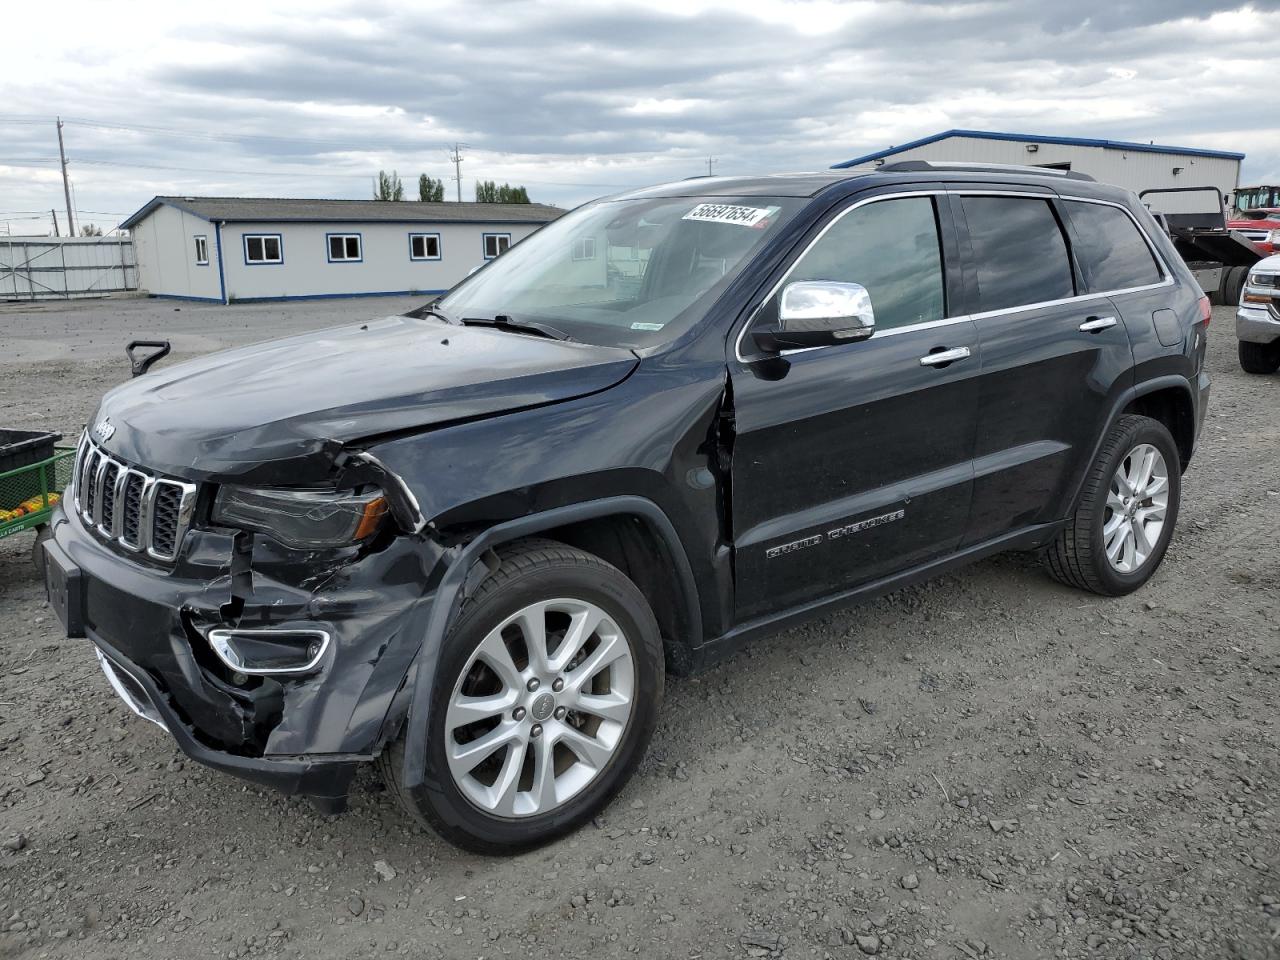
(104, 430)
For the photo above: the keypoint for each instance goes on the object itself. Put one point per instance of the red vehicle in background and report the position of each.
(1261, 227)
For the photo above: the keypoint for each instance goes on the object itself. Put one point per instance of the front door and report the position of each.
(852, 462)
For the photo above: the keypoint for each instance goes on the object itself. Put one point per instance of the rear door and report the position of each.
(1053, 359)
(1117, 260)
(852, 461)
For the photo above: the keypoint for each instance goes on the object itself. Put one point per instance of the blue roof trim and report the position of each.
(151, 206)
(1031, 138)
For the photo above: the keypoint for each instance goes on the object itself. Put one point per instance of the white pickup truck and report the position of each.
(1258, 318)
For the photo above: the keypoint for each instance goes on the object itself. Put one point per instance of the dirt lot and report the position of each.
(987, 765)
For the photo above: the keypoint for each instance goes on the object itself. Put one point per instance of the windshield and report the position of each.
(622, 272)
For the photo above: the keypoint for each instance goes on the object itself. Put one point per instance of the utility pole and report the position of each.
(66, 184)
(55, 223)
(456, 157)
(710, 162)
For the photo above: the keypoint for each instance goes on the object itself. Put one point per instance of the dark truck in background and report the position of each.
(1218, 254)
(467, 544)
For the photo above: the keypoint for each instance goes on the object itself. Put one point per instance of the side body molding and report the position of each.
(448, 598)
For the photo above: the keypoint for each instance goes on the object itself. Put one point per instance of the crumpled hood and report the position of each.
(238, 411)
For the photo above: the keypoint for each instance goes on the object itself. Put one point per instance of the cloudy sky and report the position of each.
(579, 99)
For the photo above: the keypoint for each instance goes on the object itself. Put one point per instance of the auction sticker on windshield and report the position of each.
(728, 213)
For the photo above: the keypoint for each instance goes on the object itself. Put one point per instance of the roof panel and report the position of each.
(263, 209)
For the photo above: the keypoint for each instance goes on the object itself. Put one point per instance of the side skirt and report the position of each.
(1029, 538)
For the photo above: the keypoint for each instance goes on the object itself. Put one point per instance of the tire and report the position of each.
(1078, 556)
(1233, 286)
(1260, 357)
(530, 573)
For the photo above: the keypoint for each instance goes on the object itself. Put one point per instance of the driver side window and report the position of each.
(892, 248)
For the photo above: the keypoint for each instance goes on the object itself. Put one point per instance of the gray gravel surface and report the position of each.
(988, 765)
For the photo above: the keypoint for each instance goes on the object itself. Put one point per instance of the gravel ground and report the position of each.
(988, 765)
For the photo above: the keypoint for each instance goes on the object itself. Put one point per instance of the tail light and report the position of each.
(1206, 311)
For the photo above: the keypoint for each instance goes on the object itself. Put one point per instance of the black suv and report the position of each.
(469, 542)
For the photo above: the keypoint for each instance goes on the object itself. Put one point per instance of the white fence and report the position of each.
(62, 268)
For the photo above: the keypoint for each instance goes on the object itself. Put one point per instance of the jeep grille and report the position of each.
(133, 507)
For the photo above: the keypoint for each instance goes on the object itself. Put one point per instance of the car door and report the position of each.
(851, 462)
(1053, 359)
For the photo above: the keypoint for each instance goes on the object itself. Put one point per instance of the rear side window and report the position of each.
(1019, 252)
(891, 247)
(1110, 248)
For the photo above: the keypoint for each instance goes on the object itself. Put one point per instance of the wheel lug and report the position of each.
(532, 685)
(535, 730)
(517, 714)
(558, 684)
(561, 713)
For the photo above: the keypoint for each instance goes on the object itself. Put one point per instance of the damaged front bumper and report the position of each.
(302, 731)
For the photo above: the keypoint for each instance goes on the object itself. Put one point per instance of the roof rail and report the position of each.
(917, 166)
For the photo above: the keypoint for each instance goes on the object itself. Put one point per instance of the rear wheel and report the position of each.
(546, 696)
(1119, 533)
(1260, 357)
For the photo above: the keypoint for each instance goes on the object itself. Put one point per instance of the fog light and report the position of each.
(269, 651)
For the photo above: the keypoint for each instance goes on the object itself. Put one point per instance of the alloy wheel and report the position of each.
(1137, 504)
(540, 708)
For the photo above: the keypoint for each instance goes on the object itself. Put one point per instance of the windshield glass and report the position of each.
(623, 272)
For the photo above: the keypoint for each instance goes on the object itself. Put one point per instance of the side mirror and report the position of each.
(819, 313)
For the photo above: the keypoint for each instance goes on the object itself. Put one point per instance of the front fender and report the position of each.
(438, 615)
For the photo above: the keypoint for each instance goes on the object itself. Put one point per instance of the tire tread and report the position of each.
(1072, 557)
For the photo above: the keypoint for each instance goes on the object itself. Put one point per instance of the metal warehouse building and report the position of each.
(1135, 166)
(234, 249)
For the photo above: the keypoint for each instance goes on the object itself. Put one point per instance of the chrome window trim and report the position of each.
(1163, 266)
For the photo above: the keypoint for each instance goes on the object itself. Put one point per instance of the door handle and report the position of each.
(944, 357)
(1094, 324)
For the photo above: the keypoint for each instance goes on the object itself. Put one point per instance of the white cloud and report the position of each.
(576, 99)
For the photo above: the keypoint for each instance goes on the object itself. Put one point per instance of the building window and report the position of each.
(584, 248)
(424, 246)
(496, 244)
(344, 247)
(263, 248)
(202, 251)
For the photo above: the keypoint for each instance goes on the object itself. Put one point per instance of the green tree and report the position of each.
(430, 190)
(90, 230)
(489, 192)
(389, 186)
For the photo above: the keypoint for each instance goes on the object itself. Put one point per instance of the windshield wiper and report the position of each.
(504, 322)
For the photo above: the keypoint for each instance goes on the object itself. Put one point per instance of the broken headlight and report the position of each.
(308, 519)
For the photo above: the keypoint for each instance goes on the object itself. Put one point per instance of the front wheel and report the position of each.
(546, 696)
(1260, 357)
(1118, 534)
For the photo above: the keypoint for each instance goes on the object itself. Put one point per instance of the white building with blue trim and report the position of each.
(238, 249)
(1134, 166)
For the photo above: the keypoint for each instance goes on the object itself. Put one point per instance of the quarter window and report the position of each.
(263, 248)
(344, 247)
(202, 251)
(1111, 250)
(1019, 252)
(496, 244)
(424, 246)
(891, 247)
